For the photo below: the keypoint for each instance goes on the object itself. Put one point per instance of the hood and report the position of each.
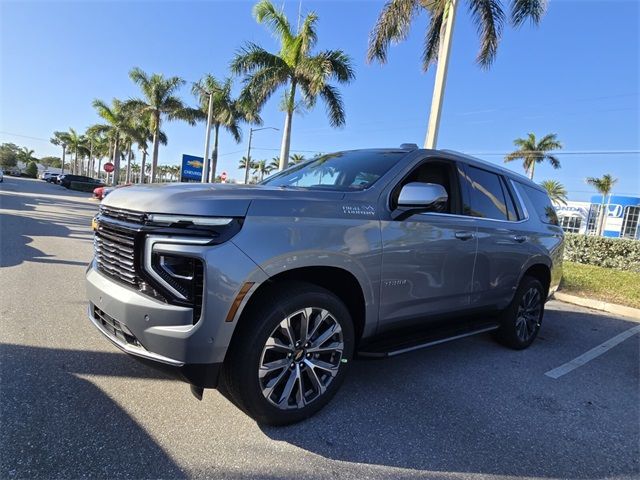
(206, 199)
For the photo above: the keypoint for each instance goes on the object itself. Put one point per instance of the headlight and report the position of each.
(178, 274)
(163, 219)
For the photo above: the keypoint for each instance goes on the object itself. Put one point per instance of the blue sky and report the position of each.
(576, 75)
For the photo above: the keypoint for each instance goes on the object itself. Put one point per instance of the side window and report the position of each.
(541, 203)
(487, 195)
(512, 213)
(438, 172)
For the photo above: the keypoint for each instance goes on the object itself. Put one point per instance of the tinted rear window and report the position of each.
(487, 195)
(543, 206)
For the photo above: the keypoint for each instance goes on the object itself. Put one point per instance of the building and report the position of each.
(622, 216)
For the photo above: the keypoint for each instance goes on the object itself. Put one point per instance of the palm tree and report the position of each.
(556, 191)
(261, 168)
(603, 185)
(25, 155)
(159, 102)
(135, 169)
(292, 67)
(77, 144)
(227, 112)
(61, 139)
(297, 158)
(532, 152)
(394, 23)
(118, 126)
(245, 163)
(274, 164)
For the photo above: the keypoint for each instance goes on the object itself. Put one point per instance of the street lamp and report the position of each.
(248, 164)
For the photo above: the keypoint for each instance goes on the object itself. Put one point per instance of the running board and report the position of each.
(387, 349)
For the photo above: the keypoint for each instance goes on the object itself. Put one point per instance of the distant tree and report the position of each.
(8, 155)
(61, 139)
(261, 168)
(532, 152)
(227, 112)
(604, 186)
(297, 158)
(293, 68)
(31, 170)
(25, 155)
(274, 164)
(54, 162)
(556, 191)
(159, 102)
(245, 163)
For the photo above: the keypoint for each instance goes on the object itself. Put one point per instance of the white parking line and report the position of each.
(593, 353)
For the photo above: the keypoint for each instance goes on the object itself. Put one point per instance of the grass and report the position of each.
(606, 284)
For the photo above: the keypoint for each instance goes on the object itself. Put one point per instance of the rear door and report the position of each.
(503, 241)
(428, 258)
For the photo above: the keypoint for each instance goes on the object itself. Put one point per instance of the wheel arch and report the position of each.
(338, 281)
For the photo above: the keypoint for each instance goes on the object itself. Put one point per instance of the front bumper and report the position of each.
(166, 334)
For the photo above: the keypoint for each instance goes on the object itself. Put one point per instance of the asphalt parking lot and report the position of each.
(73, 406)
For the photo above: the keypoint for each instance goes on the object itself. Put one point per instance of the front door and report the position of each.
(428, 258)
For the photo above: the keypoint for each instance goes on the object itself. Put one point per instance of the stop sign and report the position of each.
(109, 167)
(223, 177)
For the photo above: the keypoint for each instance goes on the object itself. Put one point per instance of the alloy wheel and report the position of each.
(528, 316)
(300, 358)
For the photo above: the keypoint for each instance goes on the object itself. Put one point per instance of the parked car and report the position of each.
(1, 175)
(48, 176)
(101, 192)
(273, 289)
(65, 180)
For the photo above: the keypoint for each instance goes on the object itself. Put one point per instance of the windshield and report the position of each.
(342, 171)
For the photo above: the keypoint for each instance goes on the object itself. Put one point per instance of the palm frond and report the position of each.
(521, 10)
(489, 19)
(432, 38)
(252, 57)
(335, 108)
(392, 26)
(265, 12)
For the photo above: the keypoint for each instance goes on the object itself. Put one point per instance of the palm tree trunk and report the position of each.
(143, 164)
(214, 154)
(99, 165)
(602, 215)
(156, 144)
(128, 178)
(533, 167)
(64, 157)
(116, 160)
(286, 134)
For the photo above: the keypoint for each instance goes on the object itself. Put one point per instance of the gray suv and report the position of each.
(269, 291)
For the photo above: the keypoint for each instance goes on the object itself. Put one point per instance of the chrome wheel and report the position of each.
(300, 358)
(528, 316)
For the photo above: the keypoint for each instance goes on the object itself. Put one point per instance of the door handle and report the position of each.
(464, 235)
(519, 238)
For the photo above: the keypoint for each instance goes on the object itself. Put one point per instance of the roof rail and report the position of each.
(409, 146)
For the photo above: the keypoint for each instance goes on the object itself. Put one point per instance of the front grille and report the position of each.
(114, 328)
(122, 214)
(115, 253)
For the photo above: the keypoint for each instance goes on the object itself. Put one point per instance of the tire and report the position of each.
(520, 322)
(264, 379)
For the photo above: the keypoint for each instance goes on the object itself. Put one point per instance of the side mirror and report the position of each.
(418, 195)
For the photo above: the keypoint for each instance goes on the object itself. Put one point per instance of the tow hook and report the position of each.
(197, 391)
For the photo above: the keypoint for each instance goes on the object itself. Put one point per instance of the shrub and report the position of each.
(32, 170)
(83, 186)
(620, 253)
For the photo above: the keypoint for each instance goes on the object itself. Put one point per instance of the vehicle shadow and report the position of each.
(473, 406)
(22, 218)
(51, 416)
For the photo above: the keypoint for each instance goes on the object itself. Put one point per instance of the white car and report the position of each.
(1, 176)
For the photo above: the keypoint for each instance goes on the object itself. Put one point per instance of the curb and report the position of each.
(599, 305)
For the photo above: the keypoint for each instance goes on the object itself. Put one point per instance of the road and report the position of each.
(73, 406)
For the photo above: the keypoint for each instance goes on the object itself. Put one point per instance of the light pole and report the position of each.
(248, 164)
(205, 166)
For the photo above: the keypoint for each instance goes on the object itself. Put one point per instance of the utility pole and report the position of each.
(205, 166)
(446, 35)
